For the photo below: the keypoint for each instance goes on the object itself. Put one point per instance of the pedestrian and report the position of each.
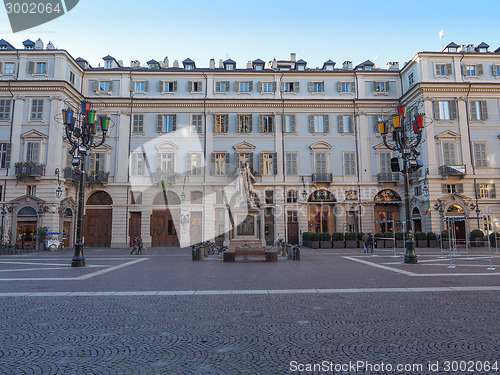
(134, 245)
(370, 243)
(140, 245)
(366, 238)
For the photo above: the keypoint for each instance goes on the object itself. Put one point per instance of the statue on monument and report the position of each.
(246, 183)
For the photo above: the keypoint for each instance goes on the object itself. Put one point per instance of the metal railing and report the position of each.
(388, 177)
(322, 177)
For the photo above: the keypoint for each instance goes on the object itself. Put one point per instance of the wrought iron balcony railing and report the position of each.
(322, 177)
(452, 170)
(388, 177)
(29, 170)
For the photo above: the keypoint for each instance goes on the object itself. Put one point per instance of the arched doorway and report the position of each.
(387, 207)
(321, 212)
(417, 220)
(27, 225)
(459, 226)
(98, 220)
(165, 219)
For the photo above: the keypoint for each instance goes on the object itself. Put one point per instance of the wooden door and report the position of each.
(195, 228)
(66, 235)
(269, 226)
(26, 235)
(134, 225)
(97, 227)
(163, 231)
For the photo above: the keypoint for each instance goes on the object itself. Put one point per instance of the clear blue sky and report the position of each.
(319, 30)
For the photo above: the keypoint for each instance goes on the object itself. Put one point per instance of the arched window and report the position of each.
(387, 195)
(100, 198)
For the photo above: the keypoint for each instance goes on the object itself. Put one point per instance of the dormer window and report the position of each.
(482, 47)
(259, 67)
(368, 68)
(229, 64)
(452, 47)
(300, 65)
(258, 64)
(189, 64)
(109, 64)
(329, 65)
(230, 67)
(189, 67)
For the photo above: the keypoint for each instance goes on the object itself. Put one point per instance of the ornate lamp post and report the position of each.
(82, 133)
(406, 136)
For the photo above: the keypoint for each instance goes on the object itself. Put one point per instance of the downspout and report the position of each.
(128, 165)
(205, 145)
(283, 161)
(357, 148)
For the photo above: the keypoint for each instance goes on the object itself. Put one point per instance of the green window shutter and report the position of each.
(353, 87)
(7, 156)
(311, 123)
(494, 68)
(493, 192)
(436, 69)
(227, 86)
(448, 69)
(146, 86)
(374, 86)
(159, 123)
(212, 163)
(92, 163)
(387, 86)
(435, 104)
(473, 110)
(217, 86)
(341, 123)
(174, 123)
(160, 86)
(237, 86)
(453, 109)
(292, 123)
(1, 67)
(296, 86)
(464, 69)
(479, 68)
(190, 86)
(111, 85)
(327, 123)
(189, 163)
(226, 121)
(259, 86)
(250, 86)
(444, 189)
(95, 85)
(239, 122)
(31, 67)
(282, 86)
(339, 86)
(484, 109)
(274, 86)
(275, 163)
(175, 85)
(250, 161)
(311, 86)
(322, 86)
(131, 85)
(261, 123)
(351, 124)
(228, 164)
(261, 163)
(250, 117)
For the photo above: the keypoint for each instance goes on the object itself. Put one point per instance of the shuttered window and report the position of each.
(36, 109)
(138, 166)
(445, 109)
(222, 86)
(349, 163)
(194, 164)
(289, 124)
(486, 190)
(318, 124)
(478, 110)
(5, 108)
(291, 163)
(480, 156)
(4, 155)
(167, 86)
(244, 123)
(220, 163)
(266, 123)
(245, 159)
(385, 162)
(441, 70)
(97, 162)
(449, 153)
(268, 164)
(221, 124)
(166, 123)
(345, 124)
(197, 124)
(138, 123)
(320, 162)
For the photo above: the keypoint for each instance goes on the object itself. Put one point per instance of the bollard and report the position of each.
(289, 250)
(195, 252)
(296, 252)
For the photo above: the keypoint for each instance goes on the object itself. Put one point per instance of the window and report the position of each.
(194, 164)
(478, 110)
(222, 86)
(266, 124)
(385, 162)
(166, 123)
(452, 188)
(189, 67)
(417, 191)
(345, 87)
(243, 86)
(267, 87)
(290, 86)
(104, 86)
(221, 123)
(480, 156)
(245, 159)
(445, 109)
(195, 86)
(318, 124)
(442, 70)
(141, 86)
(36, 109)
(138, 167)
(138, 124)
(289, 124)
(220, 164)
(267, 163)
(167, 86)
(291, 197)
(292, 216)
(449, 153)
(496, 70)
(109, 64)
(411, 79)
(244, 123)
(486, 190)
(345, 124)
(381, 87)
(291, 163)
(4, 155)
(167, 161)
(320, 162)
(5, 106)
(472, 70)
(31, 190)
(8, 68)
(197, 124)
(269, 196)
(97, 162)
(33, 152)
(316, 87)
(349, 163)
(41, 68)
(72, 78)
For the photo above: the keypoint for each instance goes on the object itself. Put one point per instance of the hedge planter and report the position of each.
(477, 242)
(422, 243)
(351, 244)
(433, 243)
(314, 244)
(379, 244)
(338, 244)
(325, 244)
(400, 244)
(306, 243)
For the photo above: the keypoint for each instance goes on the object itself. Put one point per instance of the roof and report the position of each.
(108, 58)
(301, 62)
(188, 61)
(329, 62)
(28, 42)
(3, 42)
(258, 61)
(452, 45)
(483, 45)
(79, 59)
(229, 61)
(367, 62)
(152, 62)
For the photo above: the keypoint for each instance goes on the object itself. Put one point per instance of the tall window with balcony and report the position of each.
(166, 162)
(320, 162)
(449, 153)
(97, 163)
(32, 152)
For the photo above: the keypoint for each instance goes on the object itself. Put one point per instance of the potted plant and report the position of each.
(476, 238)
(492, 239)
(351, 240)
(306, 239)
(445, 238)
(379, 240)
(41, 236)
(359, 236)
(338, 240)
(432, 239)
(421, 239)
(325, 240)
(400, 243)
(389, 242)
(315, 240)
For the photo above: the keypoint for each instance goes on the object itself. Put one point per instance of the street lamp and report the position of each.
(3, 218)
(406, 136)
(82, 133)
(58, 190)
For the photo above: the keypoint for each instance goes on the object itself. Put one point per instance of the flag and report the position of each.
(428, 207)
(441, 33)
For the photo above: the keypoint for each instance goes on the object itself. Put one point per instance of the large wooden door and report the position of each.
(195, 228)
(134, 225)
(97, 227)
(26, 235)
(163, 231)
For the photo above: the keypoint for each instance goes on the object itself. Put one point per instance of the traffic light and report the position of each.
(414, 165)
(395, 165)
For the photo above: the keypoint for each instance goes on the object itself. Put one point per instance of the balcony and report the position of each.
(452, 170)
(322, 178)
(416, 175)
(24, 170)
(91, 177)
(388, 177)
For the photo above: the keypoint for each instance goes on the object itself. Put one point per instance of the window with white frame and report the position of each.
(138, 123)
(141, 86)
(346, 87)
(452, 188)
(166, 123)
(471, 70)
(167, 86)
(31, 190)
(8, 68)
(449, 153)
(5, 108)
(385, 162)
(266, 123)
(345, 124)
(381, 87)
(292, 216)
(291, 163)
(41, 68)
(220, 163)
(195, 86)
(442, 69)
(496, 70)
(290, 86)
(197, 123)
(268, 163)
(480, 155)
(445, 109)
(478, 110)
(243, 86)
(245, 159)
(317, 87)
(194, 164)
(97, 162)
(104, 86)
(167, 162)
(486, 190)
(291, 197)
(72, 78)
(318, 124)
(320, 161)
(138, 164)
(109, 64)
(411, 79)
(289, 123)
(267, 87)
(222, 86)
(4, 155)
(349, 163)
(32, 152)
(37, 109)
(244, 123)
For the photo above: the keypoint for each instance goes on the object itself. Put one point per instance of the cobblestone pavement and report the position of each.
(59, 327)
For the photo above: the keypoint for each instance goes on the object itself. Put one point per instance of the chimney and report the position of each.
(211, 64)
(293, 57)
(39, 44)
(120, 63)
(393, 65)
(176, 63)
(347, 65)
(221, 64)
(165, 62)
(249, 64)
(274, 64)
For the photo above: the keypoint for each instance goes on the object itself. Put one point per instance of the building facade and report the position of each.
(168, 170)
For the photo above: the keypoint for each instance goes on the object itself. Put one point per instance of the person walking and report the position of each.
(134, 244)
(370, 243)
(139, 245)
(366, 238)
